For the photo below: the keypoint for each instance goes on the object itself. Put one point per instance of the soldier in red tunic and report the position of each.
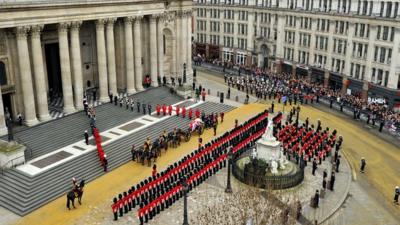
(183, 111)
(170, 109)
(197, 113)
(177, 110)
(164, 109)
(158, 109)
(190, 113)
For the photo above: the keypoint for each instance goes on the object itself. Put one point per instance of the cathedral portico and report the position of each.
(65, 50)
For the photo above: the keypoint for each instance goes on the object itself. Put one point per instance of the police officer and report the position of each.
(138, 106)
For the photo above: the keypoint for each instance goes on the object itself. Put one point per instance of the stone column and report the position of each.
(138, 53)
(130, 74)
(3, 127)
(183, 42)
(189, 70)
(160, 47)
(326, 78)
(65, 68)
(174, 50)
(101, 60)
(153, 50)
(40, 82)
(112, 71)
(26, 77)
(77, 64)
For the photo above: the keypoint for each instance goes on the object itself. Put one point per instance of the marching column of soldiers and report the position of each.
(161, 190)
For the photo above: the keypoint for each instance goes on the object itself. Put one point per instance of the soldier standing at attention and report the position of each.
(164, 109)
(149, 108)
(144, 108)
(138, 106)
(170, 109)
(158, 109)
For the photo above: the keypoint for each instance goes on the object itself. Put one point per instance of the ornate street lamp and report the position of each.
(185, 211)
(228, 183)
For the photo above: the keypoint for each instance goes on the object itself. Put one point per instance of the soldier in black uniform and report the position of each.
(138, 106)
(149, 108)
(144, 108)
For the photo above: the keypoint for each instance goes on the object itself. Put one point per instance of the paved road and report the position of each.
(374, 190)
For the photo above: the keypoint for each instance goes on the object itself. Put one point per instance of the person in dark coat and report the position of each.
(144, 108)
(138, 106)
(324, 183)
(86, 137)
(105, 163)
(337, 164)
(110, 95)
(363, 164)
(332, 182)
(314, 167)
(133, 152)
(396, 195)
(115, 100)
(316, 199)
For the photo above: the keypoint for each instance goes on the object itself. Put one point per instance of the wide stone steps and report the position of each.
(22, 194)
(47, 137)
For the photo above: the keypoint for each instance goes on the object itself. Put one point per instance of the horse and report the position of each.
(77, 192)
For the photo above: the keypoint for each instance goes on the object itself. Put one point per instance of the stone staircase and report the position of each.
(22, 194)
(47, 137)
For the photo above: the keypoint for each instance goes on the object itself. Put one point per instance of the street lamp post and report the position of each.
(228, 183)
(185, 212)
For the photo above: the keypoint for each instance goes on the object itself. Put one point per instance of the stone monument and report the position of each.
(269, 149)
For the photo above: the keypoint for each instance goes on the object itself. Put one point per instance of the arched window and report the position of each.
(3, 74)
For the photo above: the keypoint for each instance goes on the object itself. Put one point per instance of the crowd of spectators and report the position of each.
(373, 111)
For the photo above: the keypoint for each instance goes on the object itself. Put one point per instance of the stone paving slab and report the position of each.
(131, 126)
(51, 159)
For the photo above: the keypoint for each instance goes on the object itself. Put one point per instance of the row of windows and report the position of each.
(288, 53)
(303, 57)
(386, 9)
(228, 41)
(242, 43)
(385, 33)
(339, 46)
(360, 50)
(321, 42)
(214, 26)
(201, 25)
(357, 71)
(228, 28)
(305, 39)
(379, 76)
(338, 65)
(323, 25)
(290, 37)
(383, 55)
(361, 30)
(214, 39)
(243, 15)
(242, 29)
(305, 23)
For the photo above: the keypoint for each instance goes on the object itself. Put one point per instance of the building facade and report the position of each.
(346, 44)
(63, 48)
